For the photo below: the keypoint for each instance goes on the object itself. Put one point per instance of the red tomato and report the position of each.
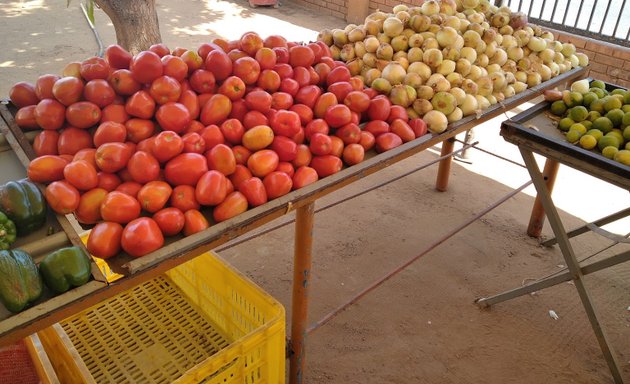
(215, 110)
(284, 147)
(183, 198)
(338, 115)
(308, 95)
(112, 157)
(47, 168)
(110, 132)
(139, 129)
(402, 129)
(159, 49)
(173, 117)
(117, 57)
(353, 154)
(167, 145)
(212, 135)
(336, 145)
(219, 64)
(211, 188)
(254, 191)
(232, 130)
(397, 112)
(241, 154)
(83, 114)
(418, 126)
(170, 220)
(387, 141)
(193, 142)
(104, 239)
(174, 67)
(303, 156)
(367, 140)
(304, 176)
(49, 114)
(123, 82)
(120, 207)
(141, 236)
(349, 133)
(285, 123)
(108, 181)
(258, 101)
(234, 204)
(285, 167)
(376, 127)
(23, 94)
(46, 143)
(145, 67)
(221, 158)
(202, 81)
(62, 197)
(185, 168)
(154, 195)
(68, 90)
(379, 108)
(165, 89)
(94, 68)
(141, 105)
(81, 174)
(130, 188)
(72, 140)
(277, 184)
(143, 167)
(263, 162)
(241, 174)
(305, 113)
(194, 221)
(326, 165)
(44, 86)
(320, 144)
(323, 102)
(25, 118)
(189, 100)
(115, 113)
(99, 92)
(89, 209)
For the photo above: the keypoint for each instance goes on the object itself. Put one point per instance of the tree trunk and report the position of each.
(135, 22)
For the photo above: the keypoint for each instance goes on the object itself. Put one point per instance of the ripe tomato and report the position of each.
(46, 143)
(263, 162)
(241, 154)
(253, 119)
(194, 221)
(165, 89)
(320, 144)
(323, 102)
(234, 204)
(23, 94)
(379, 108)
(94, 68)
(83, 114)
(112, 157)
(349, 133)
(215, 110)
(387, 141)
(303, 156)
(170, 220)
(233, 87)
(305, 113)
(285, 148)
(402, 129)
(130, 188)
(141, 236)
(183, 198)
(145, 67)
(232, 130)
(115, 113)
(25, 118)
(108, 181)
(202, 81)
(353, 154)
(81, 174)
(258, 101)
(241, 174)
(173, 117)
(110, 132)
(68, 90)
(167, 145)
(174, 67)
(104, 239)
(219, 64)
(154, 195)
(211, 188)
(99, 92)
(418, 126)
(193, 142)
(316, 126)
(277, 184)
(47, 168)
(117, 57)
(189, 100)
(119, 207)
(44, 86)
(212, 135)
(258, 137)
(285, 167)
(86, 154)
(304, 176)
(185, 168)
(285, 123)
(367, 140)
(308, 95)
(338, 115)
(221, 158)
(143, 167)
(62, 197)
(336, 145)
(326, 165)
(89, 209)
(254, 191)
(49, 114)
(247, 68)
(72, 140)
(376, 127)
(139, 129)
(123, 82)
(141, 105)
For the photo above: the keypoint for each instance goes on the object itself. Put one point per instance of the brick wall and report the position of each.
(337, 8)
(608, 62)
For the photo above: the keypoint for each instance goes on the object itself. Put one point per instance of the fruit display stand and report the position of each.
(533, 132)
(124, 272)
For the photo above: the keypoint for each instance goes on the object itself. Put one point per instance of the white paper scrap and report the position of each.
(553, 314)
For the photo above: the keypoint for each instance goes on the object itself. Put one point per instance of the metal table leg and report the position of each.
(537, 218)
(444, 169)
(571, 261)
(301, 286)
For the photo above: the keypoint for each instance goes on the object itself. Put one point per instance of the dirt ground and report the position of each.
(421, 326)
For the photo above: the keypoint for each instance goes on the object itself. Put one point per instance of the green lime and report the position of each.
(616, 116)
(588, 142)
(596, 133)
(588, 98)
(578, 127)
(573, 136)
(618, 91)
(607, 141)
(598, 84)
(626, 98)
(626, 108)
(598, 91)
(616, 133)
(597, 106)
(565, 124)
(587, 123)
(572, 99)
(623, 157)
(603, 124)
(578, 113)
(612, 102)
(627, 145)
(610, 152)
(626, 119)
(626, 133)
(592, 115)
(558, 108)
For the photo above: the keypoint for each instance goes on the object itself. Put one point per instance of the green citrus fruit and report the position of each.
(578, 113)
(610, 152)
(615, 116)
(588, 142)
(603, 124)
(592, 115)
(616, 133)
(626, 133)
(573, 136)
(623, 157)
(626, 108)
(618, 91)
(572, 99)
(588, 98)
(596, 133)
(612, 102)
(558, 108)
(598, 84)
(607, 141)
(626, 119)
(597, 106)
(565, 124)
(598, 91)
(578, 127)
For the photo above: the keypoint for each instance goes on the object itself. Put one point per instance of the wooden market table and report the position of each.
(123, 272)
(533, 132)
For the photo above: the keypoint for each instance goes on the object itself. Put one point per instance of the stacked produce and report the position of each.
(448, 59)
(142, 146)
(595, 118)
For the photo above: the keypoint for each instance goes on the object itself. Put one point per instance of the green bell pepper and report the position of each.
(24, 204)
(65, 268)
(7, 232)
(20, 282)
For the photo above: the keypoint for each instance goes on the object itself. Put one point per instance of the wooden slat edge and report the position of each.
(43, 366)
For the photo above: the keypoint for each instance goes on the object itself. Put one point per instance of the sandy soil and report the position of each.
(421, 326)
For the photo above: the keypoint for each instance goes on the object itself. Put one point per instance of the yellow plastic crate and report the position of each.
(201, 322)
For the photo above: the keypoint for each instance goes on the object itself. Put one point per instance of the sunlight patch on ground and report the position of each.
(21, 8)
(232, 21)
(7, 64)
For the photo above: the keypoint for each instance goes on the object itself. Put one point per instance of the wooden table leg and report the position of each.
(301, 285)
(572, 263)
(537, 218)
(444, 170)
